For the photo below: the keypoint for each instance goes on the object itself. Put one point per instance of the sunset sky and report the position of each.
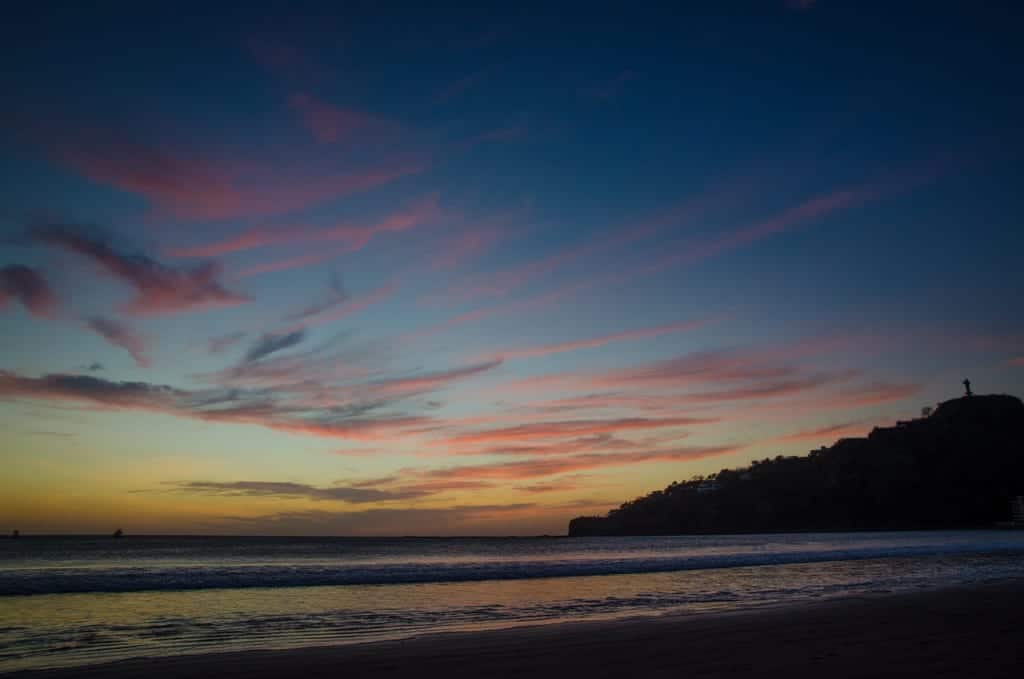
(406, 270)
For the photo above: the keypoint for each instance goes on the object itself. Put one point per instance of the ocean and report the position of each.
(68, 601)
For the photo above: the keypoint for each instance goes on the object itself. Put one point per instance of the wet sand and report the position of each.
(964, 632)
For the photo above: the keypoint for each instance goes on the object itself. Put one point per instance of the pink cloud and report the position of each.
(444, 486)
(424, 382)
(28, 287)
(503, 282)
(289, 263)
(331, 124)
(872, 394)
(159, 289)
(861, 396)
(683, 371)
(532, 303)
(699, 380)
(666, 403)
(353, 236)
(830, 433)
(510, 279)
(189, 185)
(771, 389)
(551, 466)
(570, 428)
(589, 443)
(804, 213)
(561, 347)
(122, 336)
(807, 212)
(466, 245)
(557, 486)
(662, 403)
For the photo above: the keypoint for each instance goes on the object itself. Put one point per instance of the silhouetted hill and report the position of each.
(958, 467)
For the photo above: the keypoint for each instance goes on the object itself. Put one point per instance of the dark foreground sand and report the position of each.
(976, 632)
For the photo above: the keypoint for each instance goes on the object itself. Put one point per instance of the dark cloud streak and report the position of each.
(287, 489)
(270, 343)
(28, 287)
(159, 289)
(120, 335)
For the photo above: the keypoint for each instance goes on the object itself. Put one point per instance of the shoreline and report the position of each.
(999, 525)
(963, 631)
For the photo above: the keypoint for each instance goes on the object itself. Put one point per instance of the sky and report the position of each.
(393, 269)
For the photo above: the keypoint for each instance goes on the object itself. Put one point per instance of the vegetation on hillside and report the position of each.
(958, 466)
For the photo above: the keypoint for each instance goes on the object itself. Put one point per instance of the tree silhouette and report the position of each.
(959, 467)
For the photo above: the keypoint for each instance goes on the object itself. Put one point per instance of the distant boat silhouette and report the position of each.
(118, 533)
(16, 534)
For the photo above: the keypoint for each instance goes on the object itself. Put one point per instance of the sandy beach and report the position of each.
(968, 632)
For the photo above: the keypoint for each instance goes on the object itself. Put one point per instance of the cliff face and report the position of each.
(957, 468)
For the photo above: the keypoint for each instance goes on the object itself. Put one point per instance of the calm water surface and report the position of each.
(73, 600)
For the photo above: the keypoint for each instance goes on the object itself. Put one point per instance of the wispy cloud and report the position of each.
(302, 394)
(470, 243)
(551, 466)
(336, 295)
(188, 184)
(804, 213)
(120, 335)
(429, 381)
(221, 343)
(689, 370)
(626, 335)
(290, 262)
(569, 428)
(346, 307)
(28, 287)
(561, 485)
(843, 398)
(352, 236)
(331, 124)
(263, 408)
(286, 489)
(829, 433)
(505, 281)
(872, 394)
(602, 442)
(317, 372)
(519, 306)
(159, 289)
(269, 343)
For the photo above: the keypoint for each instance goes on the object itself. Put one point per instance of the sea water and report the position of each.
(79, 600)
